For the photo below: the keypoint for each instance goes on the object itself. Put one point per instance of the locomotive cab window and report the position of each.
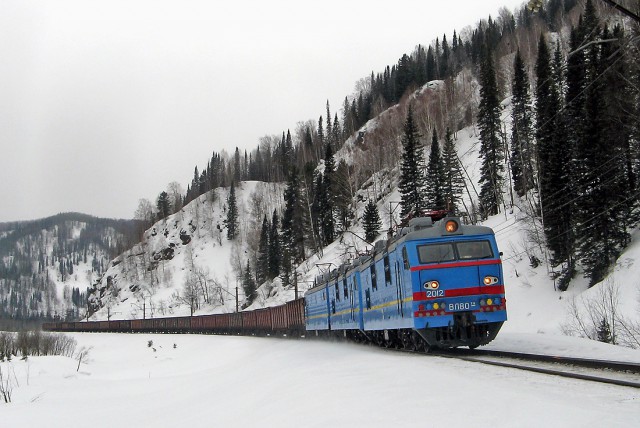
(436, 253)
(474, 250)
(447, 252)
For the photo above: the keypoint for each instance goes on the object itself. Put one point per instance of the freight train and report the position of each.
(431, 285)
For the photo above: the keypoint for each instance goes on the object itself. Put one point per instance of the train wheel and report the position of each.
(418, 342)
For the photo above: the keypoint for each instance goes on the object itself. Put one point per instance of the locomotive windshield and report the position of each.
(474, 250)
(450, 251)
(436, 253)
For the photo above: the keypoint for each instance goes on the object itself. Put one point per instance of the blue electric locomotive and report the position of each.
(432, 285)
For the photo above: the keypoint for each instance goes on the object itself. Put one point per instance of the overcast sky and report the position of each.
(106, 102)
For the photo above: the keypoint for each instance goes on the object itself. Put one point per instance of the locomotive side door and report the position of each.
(399, 277)
(399, 289)
(352, 296)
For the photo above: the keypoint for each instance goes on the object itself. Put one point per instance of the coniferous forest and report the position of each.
(570, 72)
(49, 265)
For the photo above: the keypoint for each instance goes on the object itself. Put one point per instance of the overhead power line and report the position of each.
(623, 10)
(536, 5)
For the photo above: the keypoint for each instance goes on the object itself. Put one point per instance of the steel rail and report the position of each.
(479, 356)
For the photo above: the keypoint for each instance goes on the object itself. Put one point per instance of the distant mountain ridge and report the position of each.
(46, 265)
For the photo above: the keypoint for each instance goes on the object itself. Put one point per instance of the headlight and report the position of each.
(431, 285)
(490, 280)
(451, 226)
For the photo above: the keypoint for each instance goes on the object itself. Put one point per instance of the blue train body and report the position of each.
(432, 285)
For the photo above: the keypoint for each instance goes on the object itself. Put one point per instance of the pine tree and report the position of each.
(437, 56)
(435, 175)
(634, 123)
(245, 166)
(603, 332)
(453, 180)
(431, 65)
(307, 145)
(163, 205)
(288, 154)
(491, 149)
(342, 196)
(275, 247)
(444, 60)
(202, 183)
(329, 131)
(554, 164)
(371, 221)
(262, 266)
(348, 126)
(420, 64)
(404, 76)
(320, 139)
(237, 169)
(317, 203)
(293, 220)
(623, 116)
(336, 133)
(248, 285)
(412, 180)
(326, 198)
(231, 222)
(521, 131)
(599, 166)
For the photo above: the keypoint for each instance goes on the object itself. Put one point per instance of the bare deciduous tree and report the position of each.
(83, 355)
(6, 386)
(597, 317)
(189, 295)
(145, 212)
(175, 192)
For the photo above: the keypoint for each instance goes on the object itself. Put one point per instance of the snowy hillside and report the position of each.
(149, 279)
(47, 265)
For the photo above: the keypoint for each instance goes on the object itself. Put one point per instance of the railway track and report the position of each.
(609, 372)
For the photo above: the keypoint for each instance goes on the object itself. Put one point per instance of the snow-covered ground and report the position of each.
(222, 381)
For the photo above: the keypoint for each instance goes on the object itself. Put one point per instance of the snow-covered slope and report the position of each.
(147, 279)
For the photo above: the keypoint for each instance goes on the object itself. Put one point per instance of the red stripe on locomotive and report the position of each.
(457, 292)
